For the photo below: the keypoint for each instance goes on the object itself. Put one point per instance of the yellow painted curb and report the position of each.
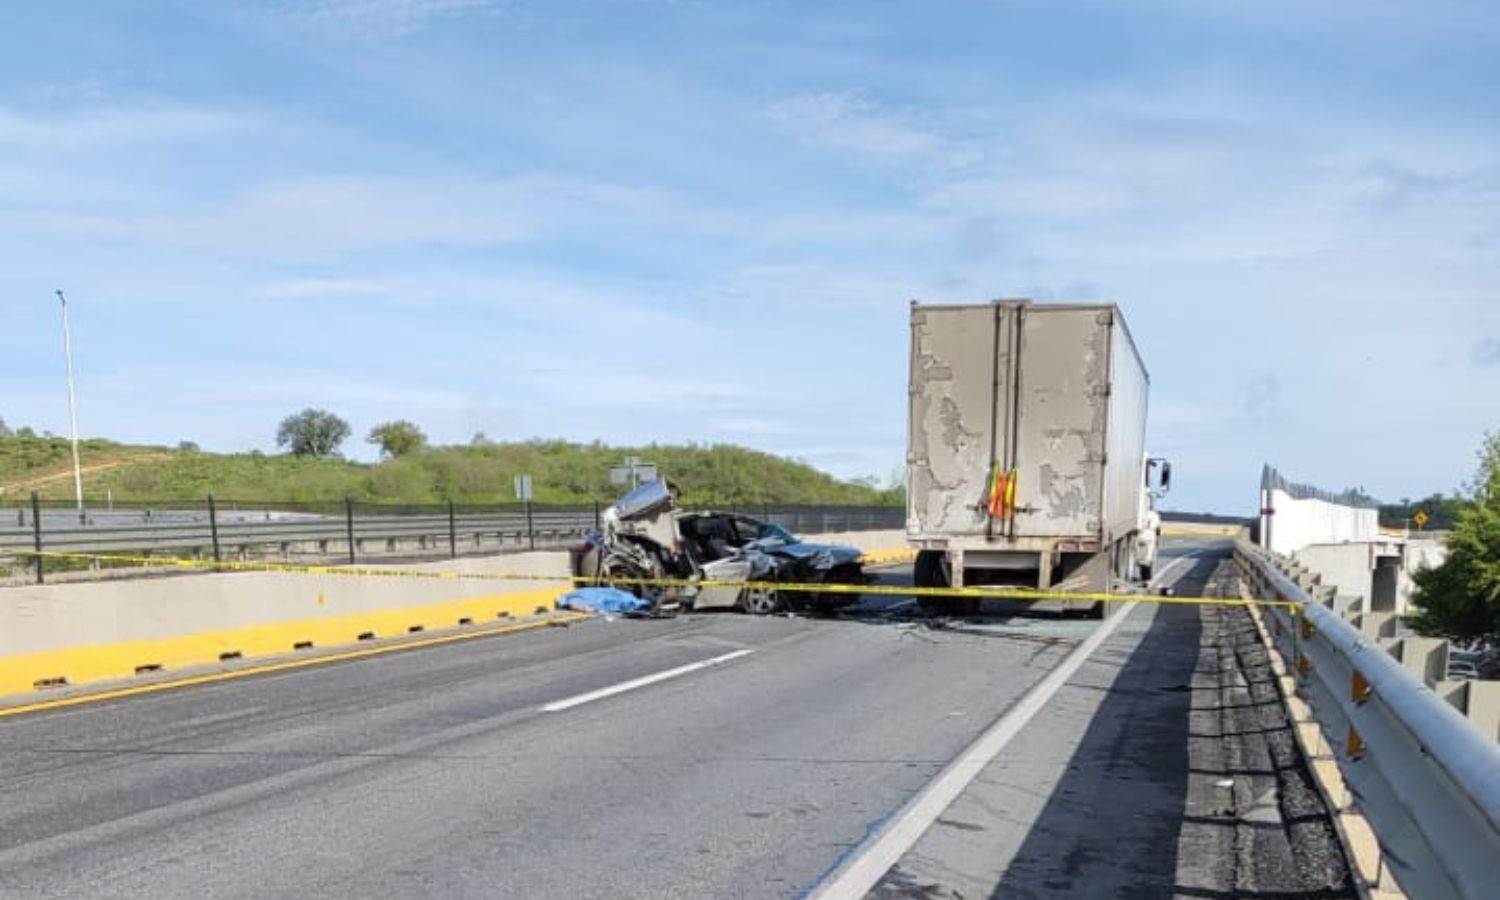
(269, 667)
(1208, 529)
(101, 662)
(888, 556)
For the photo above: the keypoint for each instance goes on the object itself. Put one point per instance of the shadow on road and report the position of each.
(1111, 826)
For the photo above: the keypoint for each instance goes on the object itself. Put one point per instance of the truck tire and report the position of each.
(927, 572)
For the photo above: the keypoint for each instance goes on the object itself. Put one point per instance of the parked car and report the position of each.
(647, 536)
(1462, 670)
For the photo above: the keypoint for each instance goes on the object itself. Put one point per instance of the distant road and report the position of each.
(93, 468)
(591, 761)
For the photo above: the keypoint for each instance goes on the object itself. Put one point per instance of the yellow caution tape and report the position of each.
(889, 590)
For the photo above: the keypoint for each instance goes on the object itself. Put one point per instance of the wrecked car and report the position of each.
(646, 535)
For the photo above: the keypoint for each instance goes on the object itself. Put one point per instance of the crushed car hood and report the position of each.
(820, 556)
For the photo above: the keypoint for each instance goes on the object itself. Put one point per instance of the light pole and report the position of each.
(72, 404)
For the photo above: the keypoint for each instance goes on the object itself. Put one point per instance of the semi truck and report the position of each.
(1026, 456)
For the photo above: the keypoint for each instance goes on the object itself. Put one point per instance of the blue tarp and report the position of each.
(603, 600)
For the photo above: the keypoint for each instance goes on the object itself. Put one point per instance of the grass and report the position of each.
(562, 472)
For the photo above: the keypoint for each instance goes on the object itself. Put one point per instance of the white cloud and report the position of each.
(848, 123)
(1486, 352)
(380, 19)
(110, 126)
(336, 217)
(304, 288)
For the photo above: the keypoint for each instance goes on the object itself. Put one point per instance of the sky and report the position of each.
(696, 221)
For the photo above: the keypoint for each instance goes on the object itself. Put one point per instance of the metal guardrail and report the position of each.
(349, 530)
(1426, 779)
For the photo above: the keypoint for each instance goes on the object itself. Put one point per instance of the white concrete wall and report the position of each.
(1420, 553)
(1298, 523)
(864, 541)
(35, 618)
(53, 616)
(1348, 567)
(1351, 567)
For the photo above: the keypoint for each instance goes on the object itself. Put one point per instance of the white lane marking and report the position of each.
(1161, 580)
(632, 684)
(863, 868)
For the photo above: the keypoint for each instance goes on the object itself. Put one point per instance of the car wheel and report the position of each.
(761, 601)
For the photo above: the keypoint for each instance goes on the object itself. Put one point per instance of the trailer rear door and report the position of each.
(1060, 432)
(962, 377)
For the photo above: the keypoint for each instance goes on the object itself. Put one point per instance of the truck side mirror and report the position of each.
(1166, 475)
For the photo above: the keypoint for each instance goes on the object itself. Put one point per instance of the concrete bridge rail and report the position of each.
(1426, 779)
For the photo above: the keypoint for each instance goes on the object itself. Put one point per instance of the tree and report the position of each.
(397, 438)
(1460, 599)
(312, 432)
(188, 446)
(5, 431)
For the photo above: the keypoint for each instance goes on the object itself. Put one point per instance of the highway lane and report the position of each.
(439, 772)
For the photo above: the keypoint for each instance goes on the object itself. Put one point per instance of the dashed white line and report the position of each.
(632, 684)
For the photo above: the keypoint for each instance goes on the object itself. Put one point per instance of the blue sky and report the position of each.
(638, 220)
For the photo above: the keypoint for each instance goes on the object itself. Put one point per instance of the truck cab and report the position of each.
(1156, 475)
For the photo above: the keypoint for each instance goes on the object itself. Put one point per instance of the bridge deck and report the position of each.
(442, 770)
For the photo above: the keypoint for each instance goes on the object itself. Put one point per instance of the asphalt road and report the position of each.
(481, 768)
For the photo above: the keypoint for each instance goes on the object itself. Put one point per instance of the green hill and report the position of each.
(562, 472)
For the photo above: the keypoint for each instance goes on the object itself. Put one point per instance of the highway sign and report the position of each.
(632, 472)
(1420, 518)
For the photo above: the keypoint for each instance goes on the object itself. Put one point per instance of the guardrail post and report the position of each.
(36, 532)
(349, 525)
(598, 526)
(213, 525)
(530, 532)
(452, 532)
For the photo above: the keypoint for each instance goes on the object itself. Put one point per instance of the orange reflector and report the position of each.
(1360, 690)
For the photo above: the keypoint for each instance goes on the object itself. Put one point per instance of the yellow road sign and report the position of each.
(1420, 518)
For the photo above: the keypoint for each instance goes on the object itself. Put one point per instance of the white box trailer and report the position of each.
(1026, 459)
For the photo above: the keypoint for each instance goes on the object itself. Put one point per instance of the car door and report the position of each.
(733, 569)
(709, 541)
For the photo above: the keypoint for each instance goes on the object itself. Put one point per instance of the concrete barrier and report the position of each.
(1366, 569)
(1295, 515)
(82, 632)
(1479, 701)
(1203, 529)
(1426, 658)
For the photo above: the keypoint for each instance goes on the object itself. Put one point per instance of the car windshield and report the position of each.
(770, 531)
